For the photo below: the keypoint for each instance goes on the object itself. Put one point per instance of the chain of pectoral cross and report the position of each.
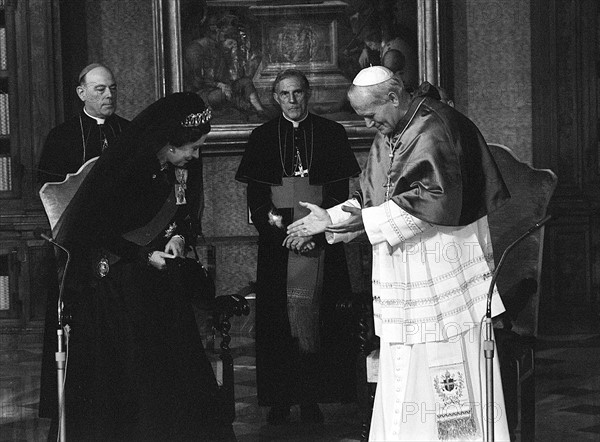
(297, 166)
(103, 138)
(299, 170)
(393, 144)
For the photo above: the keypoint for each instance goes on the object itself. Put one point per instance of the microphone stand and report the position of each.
(488, 344)
(60, 355)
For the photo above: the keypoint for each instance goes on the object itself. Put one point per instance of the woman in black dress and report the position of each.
(136, 366)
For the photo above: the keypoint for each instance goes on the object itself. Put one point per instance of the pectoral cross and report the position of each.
(103, 138)
(299, 170)
(388, 185)
(393, 143)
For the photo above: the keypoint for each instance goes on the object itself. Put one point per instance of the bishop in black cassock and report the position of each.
(279, 156)
(69, 145)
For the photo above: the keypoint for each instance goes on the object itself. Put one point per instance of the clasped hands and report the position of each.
(300, 233)
(174, 248)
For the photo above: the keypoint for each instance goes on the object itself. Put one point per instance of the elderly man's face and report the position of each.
(99, 93)
(382, 116)
(292, 98)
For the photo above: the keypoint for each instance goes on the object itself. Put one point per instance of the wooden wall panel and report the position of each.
(565, 43)
(120, 35)
(40, 273)
(492, 66)
(568, 148)
(569, 276)
(225, 212)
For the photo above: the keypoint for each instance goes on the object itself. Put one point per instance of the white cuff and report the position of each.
(337, 215)
(388, 222)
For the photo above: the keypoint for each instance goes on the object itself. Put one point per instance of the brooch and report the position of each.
(102, 267)
(170, 230)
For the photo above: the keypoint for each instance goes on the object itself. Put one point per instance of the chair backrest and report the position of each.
(57, 196)
(519, 279)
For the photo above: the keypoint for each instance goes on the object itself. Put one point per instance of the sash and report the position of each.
(304, 271)
(142, 236)
(452, 389)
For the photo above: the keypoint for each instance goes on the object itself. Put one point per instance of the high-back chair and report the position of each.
(518, 283)
(56, 197)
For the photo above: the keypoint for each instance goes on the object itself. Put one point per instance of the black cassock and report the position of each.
(75, 141)
(285, 375)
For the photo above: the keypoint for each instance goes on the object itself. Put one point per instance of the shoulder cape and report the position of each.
(443, 170)
(333, 159)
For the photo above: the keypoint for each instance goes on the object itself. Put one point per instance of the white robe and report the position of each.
(430, 287)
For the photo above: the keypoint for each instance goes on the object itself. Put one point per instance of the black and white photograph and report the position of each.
(309, 220)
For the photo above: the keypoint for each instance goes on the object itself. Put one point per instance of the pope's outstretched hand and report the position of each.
(315, 222)
(353, 223)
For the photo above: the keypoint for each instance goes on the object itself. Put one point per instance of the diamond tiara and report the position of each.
(195, 120)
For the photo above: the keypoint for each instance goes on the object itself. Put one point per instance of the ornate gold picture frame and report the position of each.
(230, 51)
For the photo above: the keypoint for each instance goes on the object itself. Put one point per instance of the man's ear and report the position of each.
(394, 98)
(80, 92)
(276, 98)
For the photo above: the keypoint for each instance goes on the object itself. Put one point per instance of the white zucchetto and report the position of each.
(372, 75)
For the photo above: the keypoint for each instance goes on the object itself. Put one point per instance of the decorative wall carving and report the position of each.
(303, 37)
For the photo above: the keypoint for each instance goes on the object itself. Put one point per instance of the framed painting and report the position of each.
(230, 51)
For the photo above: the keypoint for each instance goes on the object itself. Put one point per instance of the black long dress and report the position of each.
(286, 375)
(137, 370)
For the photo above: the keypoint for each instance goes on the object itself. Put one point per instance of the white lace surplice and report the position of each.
(430, 286)
(429, 282)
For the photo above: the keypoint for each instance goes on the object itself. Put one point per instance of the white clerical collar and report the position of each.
(98, 120)
(296, 124)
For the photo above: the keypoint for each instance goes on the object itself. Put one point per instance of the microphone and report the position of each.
(488, 345)
(61, 355)
(535, 227)
(38, 233)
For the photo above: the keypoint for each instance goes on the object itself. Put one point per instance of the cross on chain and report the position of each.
(393, 143)
(103, 137)
(300, 171)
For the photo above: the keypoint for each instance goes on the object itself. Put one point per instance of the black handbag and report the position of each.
(194, 281)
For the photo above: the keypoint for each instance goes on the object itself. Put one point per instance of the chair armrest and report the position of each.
(360, 306)
(227, 306)
(231, 305)
(355, 303)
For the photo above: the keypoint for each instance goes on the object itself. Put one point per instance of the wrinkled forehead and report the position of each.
(289, 84)
(363, 102)
(99, 75)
